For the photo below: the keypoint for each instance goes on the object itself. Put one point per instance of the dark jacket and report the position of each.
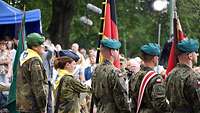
(183, 90)
(31, 87)
(109, 92)
(154, 99)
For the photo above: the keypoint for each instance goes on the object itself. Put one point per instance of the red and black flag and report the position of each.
(110, 23)
(110, 29)
(178, 36)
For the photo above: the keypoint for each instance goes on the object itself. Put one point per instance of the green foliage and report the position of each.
(137, 22)
(45, 7)
(86, 36)
(189, 13)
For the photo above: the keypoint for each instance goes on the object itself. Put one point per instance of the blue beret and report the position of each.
(69, 54)
(110, 43)
(35, 39)
(151, 49)
(188, 45)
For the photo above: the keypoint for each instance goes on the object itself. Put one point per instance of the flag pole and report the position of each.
(171, 10)
(23, 26)
(101, 31)
(99, 44)
(175, 30)
(172, 57)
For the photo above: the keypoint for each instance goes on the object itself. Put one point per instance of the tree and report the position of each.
(62, 14)
(137, 23)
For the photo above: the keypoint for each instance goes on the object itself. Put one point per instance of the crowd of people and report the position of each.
(53, 80)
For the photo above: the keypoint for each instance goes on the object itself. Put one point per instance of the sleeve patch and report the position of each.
(158, 80)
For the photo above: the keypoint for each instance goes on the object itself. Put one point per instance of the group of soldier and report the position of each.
(148, 92)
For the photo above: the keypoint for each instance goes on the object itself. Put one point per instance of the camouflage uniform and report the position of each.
(183, 90)
(69, 93)
(154, 95)
(108, 92)
(31, 89)
(31, 81)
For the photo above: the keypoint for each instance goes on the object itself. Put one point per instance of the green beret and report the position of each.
(151, 49)
(110, 43)
(34, 39)
(188, 45)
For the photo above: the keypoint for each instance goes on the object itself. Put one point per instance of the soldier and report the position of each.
(147, 89)
(109, 94)
(69, 88)
(183, 84)
(31, 86)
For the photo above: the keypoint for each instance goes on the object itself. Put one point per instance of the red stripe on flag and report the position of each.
(179, 35)
(107, 23)
(110, 29)
(172, 59)
(114, 32)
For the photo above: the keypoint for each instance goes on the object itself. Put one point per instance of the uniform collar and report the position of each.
(183, 65)
(61, 73)
(28, 54)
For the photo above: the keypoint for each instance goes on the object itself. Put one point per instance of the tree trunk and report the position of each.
(62, 14)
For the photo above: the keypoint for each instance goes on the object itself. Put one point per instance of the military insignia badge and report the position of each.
(25, 55)
(198, 83)
(158, 80)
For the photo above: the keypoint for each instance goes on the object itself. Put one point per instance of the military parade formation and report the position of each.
(38, 77)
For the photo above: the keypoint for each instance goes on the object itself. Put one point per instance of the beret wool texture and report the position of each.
(110, 43)
(188, 45)
(151, 49)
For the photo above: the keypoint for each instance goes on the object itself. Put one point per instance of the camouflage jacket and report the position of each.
(183, 90)
(69, 92)
(109, 94)
(154, 100)
(31, 86)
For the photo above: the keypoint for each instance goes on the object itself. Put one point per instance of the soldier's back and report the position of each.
(108, 91)
(183, 90)
(31, 78)
(101, 89)
(153, 100)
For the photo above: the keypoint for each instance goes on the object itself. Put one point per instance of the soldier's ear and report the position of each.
(155, 59)
(190, 56)
(114, 53)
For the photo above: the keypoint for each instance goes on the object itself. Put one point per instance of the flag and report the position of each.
(110, 29)
(11, 105)
(178, 36)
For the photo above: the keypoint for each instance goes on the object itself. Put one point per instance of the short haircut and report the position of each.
(146, 57)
